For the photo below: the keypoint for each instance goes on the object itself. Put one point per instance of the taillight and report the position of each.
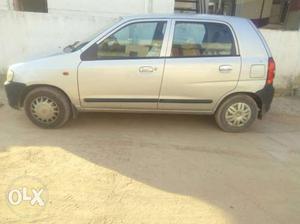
(271, 71)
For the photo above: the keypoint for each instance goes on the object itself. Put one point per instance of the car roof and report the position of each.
(185, 16)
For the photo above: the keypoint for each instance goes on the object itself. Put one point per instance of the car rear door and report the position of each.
(124, 70)
(202, 65)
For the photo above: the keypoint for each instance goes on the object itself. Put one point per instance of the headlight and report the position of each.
(9, 76)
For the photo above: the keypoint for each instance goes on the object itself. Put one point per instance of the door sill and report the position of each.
(157, 111)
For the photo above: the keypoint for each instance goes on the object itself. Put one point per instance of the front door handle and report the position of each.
(225, 68)
(147, 69)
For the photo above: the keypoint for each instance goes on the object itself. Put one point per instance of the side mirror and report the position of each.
(68, 49)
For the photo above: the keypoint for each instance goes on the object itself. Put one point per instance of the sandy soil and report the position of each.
(129, 168)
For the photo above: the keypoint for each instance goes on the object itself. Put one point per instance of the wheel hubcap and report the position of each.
(44, 110)
(238, 114)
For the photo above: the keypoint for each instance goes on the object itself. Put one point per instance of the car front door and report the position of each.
(203, 64)
(124, 70)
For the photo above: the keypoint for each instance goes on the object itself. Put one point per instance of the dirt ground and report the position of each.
(138, 168)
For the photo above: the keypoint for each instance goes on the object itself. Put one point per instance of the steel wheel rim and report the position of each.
(44, 110)
(238, 114)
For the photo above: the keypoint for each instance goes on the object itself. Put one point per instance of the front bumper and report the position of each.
(266, 96)
(14, 92)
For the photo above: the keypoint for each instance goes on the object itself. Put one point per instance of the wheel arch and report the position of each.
(28, 89)
(254, 96)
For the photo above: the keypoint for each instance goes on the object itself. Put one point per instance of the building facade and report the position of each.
(280, 14)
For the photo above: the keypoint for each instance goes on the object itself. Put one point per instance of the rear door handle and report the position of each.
(225, 68)
(146, 69)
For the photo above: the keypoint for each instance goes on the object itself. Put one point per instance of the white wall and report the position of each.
(30, 35)
(163, 6)
(111, 7)
(4, 4)
(103, 7)
(285, 47)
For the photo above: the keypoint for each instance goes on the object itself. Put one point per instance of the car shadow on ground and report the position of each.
(190, 155)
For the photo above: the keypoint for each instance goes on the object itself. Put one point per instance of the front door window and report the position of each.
(134, 41)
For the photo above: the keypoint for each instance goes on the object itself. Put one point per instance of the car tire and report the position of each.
(47, 107)
(237, 113)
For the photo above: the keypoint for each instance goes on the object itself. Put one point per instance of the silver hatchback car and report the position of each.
(187, 64)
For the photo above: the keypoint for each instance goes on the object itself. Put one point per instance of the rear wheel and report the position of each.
(237, 113)
(47, 107)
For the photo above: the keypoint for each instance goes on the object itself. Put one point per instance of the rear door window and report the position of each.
(202, 39)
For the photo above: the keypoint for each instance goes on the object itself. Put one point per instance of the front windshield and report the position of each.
(77, 45)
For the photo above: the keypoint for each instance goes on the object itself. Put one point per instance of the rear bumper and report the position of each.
(14, 92)
(266, 96)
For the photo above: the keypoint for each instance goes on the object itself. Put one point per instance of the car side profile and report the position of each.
(186, 64)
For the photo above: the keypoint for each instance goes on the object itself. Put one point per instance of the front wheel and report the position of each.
(237, 113)
(47, 107)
